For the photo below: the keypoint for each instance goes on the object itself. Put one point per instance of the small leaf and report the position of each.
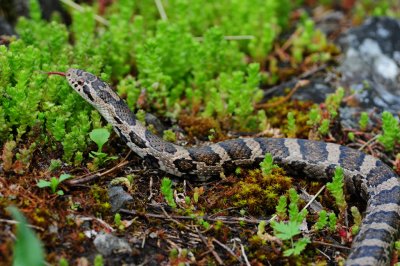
(289, 252)
(100, 155)
(60, 192)
(64, 177)
(286, 231)
(27, 248)
(99, 136)
(300, 245)
(43, 183)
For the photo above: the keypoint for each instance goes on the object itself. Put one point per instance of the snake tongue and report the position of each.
(55, 73)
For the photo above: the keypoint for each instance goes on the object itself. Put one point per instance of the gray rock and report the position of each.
(108, 244)
(371, 64)
(118, 197)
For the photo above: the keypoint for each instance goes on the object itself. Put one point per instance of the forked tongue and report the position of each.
(55, 73)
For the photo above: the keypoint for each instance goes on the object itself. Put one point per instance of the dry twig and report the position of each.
(210, 247)
(91, 177)
(300, 83)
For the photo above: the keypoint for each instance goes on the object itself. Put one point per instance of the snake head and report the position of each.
(85, 83)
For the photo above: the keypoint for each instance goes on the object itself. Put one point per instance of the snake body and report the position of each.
(364, 175)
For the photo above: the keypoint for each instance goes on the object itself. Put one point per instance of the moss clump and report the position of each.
(258, 192)
(199, 127)
(100, 197)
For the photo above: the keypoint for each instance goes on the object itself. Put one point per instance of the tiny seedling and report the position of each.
(291, 125)
(332, 221)
(98, 260)
(397, 245)
(54, 165)
(206, 225)
(351, 136)
(357, 220)
(313, 117)
(363, 122)
(168, 192)
(54, 183)
(391, 131)
(322, 220)
(169, 135)
(324, 127)
(267, 165)
(100, 136)
(198, 191)
(63, 262)
(118, 221)
(281, 207)
(336, 189)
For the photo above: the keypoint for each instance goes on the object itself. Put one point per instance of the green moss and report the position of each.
(259, 192)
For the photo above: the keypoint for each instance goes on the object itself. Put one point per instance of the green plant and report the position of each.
(309, 40)
(98, 260)
(332, 221)
(288, 230)
(234, 94)
(54, 165)
(206, 225)
(363, 122)
(336, 189)
(167, 191)
(318, 118)
(267, 165)
(261, 233)
(291, 125)
(169, 135)
(324, 127)
(63, 262)
(173, 253)
(357, 220)
(28, 249)
(351, 136)
(281, 207)
(118, 222)
(322, 220)
(333, 102)
(100, 136)
(391, 131)
(54, 183)
(196, 194)
(117, 219)
(314, 116)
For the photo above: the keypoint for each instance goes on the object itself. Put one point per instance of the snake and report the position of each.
(365, 176)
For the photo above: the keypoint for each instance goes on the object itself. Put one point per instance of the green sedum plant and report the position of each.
(168, 192)
(267, 165)
(364, 120)
(291, 125)
(322, 220)
(336, 189)
(391, 131)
